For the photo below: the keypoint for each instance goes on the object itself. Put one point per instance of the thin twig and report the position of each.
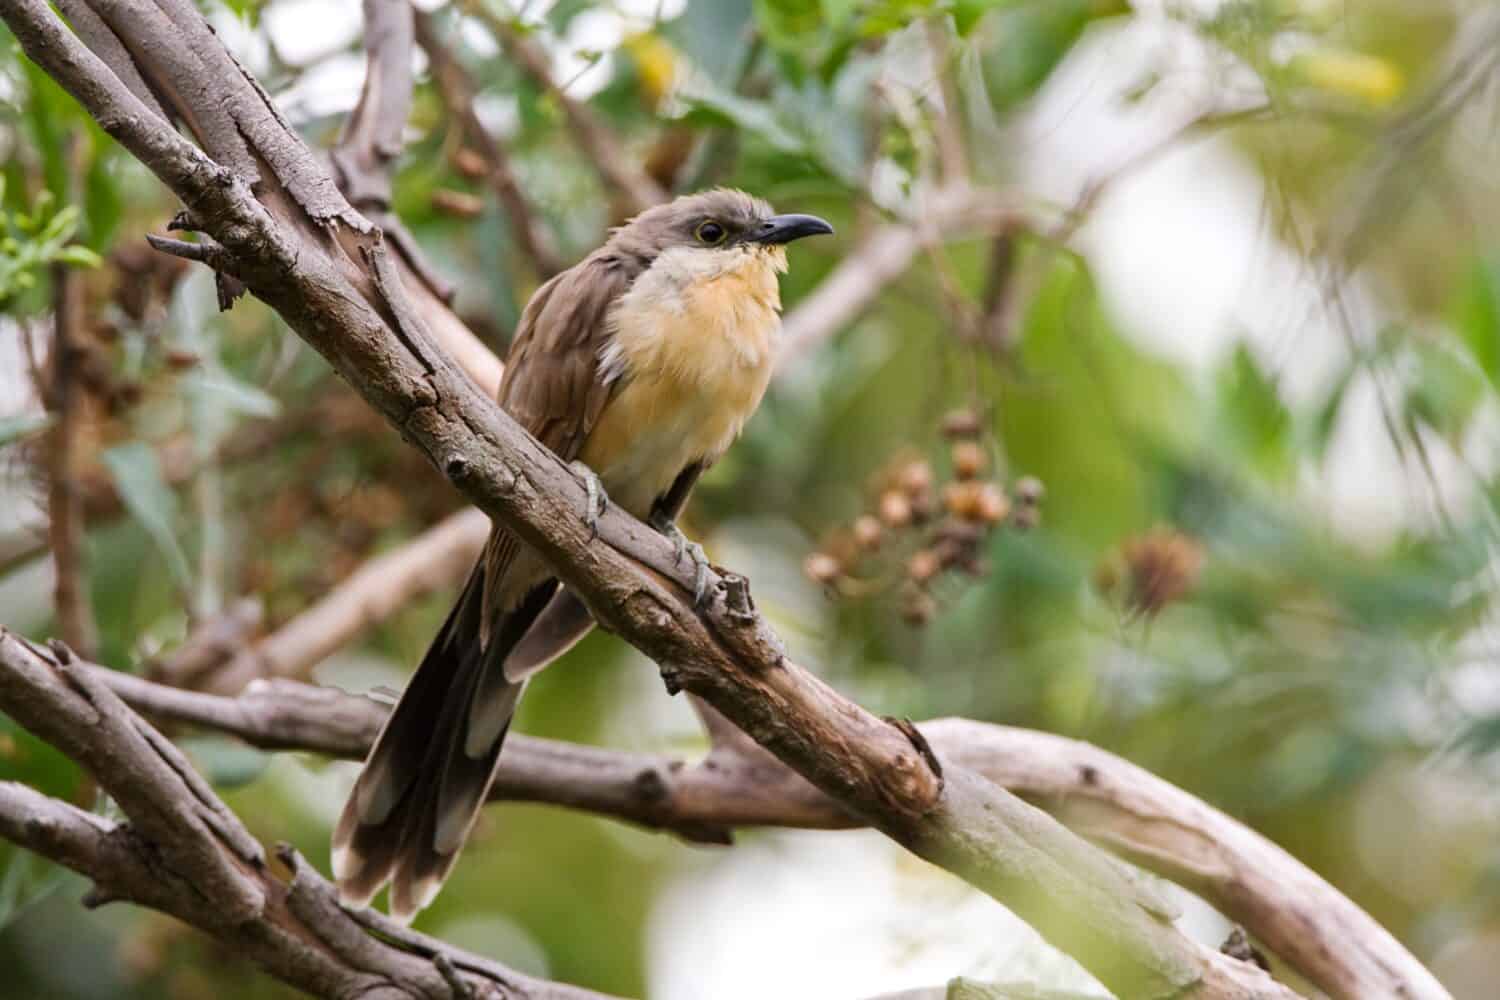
(952, 151)
(68, 402)
(204, 252)
(603, 149)
(457, 93)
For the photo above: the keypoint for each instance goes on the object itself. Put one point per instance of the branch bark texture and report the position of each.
(1283, 904)
(183, 852)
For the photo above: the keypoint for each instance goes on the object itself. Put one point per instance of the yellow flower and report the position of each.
(656, 62)
(1363, 77)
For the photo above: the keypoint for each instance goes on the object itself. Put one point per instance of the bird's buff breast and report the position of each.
(694, 345)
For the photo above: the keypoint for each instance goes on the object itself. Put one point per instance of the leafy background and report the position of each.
(1273, 337)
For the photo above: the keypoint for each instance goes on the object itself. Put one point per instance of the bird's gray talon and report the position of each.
(682, 547)
(700, 575)
(596, 502)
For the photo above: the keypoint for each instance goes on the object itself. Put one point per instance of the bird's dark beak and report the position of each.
(785, 228)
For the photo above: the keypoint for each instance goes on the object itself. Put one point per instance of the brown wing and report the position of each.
(551, 384)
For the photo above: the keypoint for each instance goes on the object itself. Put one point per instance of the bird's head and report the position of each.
(722, 224)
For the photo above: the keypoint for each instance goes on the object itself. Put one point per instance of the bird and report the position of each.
(639, 366)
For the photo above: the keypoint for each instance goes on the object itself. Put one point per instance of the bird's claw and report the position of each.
(682, 547)
(596, 502)
(700, 574)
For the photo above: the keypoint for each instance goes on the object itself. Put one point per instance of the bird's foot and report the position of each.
(596, 502)
(683, 546)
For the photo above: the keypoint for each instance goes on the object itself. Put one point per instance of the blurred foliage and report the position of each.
(1333, 682)
(33, 240)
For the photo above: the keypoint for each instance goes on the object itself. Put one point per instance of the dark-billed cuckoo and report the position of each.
(642, 362)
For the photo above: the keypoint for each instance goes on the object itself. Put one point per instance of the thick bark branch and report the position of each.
(1283, 904)
(184, 853)
(296, 929)
(324, 268)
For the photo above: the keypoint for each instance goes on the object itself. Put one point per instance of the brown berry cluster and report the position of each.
(920, 531)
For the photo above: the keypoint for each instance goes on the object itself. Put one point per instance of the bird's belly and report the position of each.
(655, 428)
(694, 352)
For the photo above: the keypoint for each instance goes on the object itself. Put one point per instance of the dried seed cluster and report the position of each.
(1148, 572)
(919, 530)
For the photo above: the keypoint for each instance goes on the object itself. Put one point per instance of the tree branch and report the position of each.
(326, 271)
(297, 931)
(1283, 904)
(184, 853)
(213, 642)
(882, 257)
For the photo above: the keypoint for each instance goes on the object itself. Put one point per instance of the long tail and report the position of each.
(431, 767)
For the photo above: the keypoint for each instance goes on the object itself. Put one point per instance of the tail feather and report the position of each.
(427, 777)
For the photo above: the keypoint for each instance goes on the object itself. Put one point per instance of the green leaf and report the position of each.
(1476, 316)
(713, 106)
(967, 14)
(1020, 44)
(1255, 421)
(838, 12)
(1446, 387)
(78, 255)
(220, 387)
(61, 226)
(137, 477)
(704, 33)
(1479, 738)
(1325, 420)
(226, 763)
(103, 204)
(25, 878)
(790, 24)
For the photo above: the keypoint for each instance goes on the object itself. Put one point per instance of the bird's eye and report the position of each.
(711, 233)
